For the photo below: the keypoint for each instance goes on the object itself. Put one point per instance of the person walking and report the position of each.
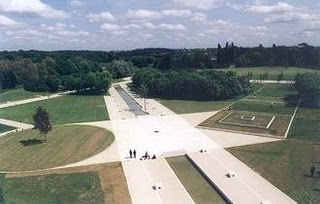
(312, 170)
(134, 153)
(130, 153)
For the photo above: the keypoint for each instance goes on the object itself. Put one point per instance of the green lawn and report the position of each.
(17, 94)
(198, 188)
(273, 72)
(306, 125)
(5, 128)
(286, 164)
(277, 90)
(278, 127)
(184, 106)
(77, 188)
(66, 109)
(66, 144)
(252, 105)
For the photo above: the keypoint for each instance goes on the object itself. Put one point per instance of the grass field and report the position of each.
(66, 109)
(273, 72)
(250, 105)
(198, 188)
(5, 128)
(255, 119)
(50, 189)
(274, 92)
(17, 94)
(184, 106)
(285, 164)
(306, 125)
(66, 144)
(278, 127)
(111, 179)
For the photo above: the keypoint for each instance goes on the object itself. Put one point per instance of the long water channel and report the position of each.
(132, 104)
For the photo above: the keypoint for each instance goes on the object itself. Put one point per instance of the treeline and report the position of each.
(200, 85)
(60, 70)
(302, 55)
(52, 75)
(308, 87)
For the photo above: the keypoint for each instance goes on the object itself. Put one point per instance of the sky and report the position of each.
(129, 24)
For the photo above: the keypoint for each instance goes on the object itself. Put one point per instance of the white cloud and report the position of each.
(56, 27)
(291, 17)
(149, 25)
(172, 27)
(77, 3)
(199, 18)
(280, 7)
(282, 12)
(110, 27)
(142, 14)
(132, 26)
(177, 13)
(25, 34)
(66, 33)
(31, 6)
(103, 16)
(199, 4)
(7, 22)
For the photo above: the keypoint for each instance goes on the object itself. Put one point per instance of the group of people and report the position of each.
(313, 171)
(133, 154)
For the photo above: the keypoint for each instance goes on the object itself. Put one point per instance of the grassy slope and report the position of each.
(69, 188)
(5, 128)
(285, 164)
(273, 72)
(306, 125)
(198, 188)
(66, 109)
(66, 144)
(17, 94)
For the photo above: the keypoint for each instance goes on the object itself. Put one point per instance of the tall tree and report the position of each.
(308, 87)
(42, 122)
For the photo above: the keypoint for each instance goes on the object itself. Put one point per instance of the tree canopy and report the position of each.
(200, 85)
(308, 87)
(42, 122)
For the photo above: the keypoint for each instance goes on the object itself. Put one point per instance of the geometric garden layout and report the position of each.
(257, 121)
(165, 134)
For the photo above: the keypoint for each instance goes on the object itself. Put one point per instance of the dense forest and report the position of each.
(93, 70)
(200, 85)
(308, 87)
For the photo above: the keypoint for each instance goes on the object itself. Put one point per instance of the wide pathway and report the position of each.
(167, 135)
(30, 100)
(244, 185)
(157, 182)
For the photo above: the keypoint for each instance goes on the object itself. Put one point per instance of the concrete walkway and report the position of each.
(245, 187)
(230, 139)
(162, 134)
(197, 118)
(30, 100)
(147, 174)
